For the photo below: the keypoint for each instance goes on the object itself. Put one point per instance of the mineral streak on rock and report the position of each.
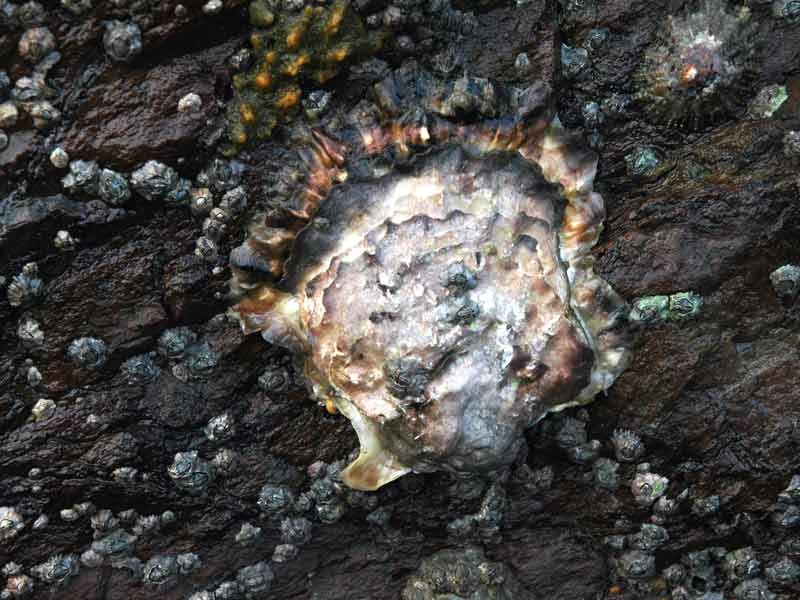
(313, 44)
(445, 305)
(696, 74)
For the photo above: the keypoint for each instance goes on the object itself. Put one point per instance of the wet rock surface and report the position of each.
(139, 427)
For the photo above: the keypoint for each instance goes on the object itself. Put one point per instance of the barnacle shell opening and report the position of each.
(446, 305)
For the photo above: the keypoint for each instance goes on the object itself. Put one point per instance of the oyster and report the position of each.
(437, 277)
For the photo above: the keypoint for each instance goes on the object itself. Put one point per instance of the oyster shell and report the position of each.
(447, 303)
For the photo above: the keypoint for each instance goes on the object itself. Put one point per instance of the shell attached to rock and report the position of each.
(435, 271)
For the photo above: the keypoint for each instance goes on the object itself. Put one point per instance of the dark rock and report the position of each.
(144, 123)
(711, 394)
(186, 284)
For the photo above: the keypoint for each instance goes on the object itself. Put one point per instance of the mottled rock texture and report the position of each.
(713, 397)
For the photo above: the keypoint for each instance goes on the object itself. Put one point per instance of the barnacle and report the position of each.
(248, 534)
(312, 45)
(36, 43)
(437, 276)
(18, 586)
(11, 522)
(462, 573)
(58, 569)
(254, 580)
(648, 487)
(628, 446)
(677, 307)
(220, 428)
(696, 72)
(117, 543)
(191, 472)
(122, 41)
(786, 282)
(87, 352)
(25, 287)
(296, 531)
(161, 572)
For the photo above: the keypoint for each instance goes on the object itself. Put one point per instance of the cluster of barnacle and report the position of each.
(89, 353)
(185, 353)
(252, 582)
(190, 472)
(462, 573)
(327, 499)
(220, 179)
(635, 565)
(312, 44)
(485, 524)
(712, 572)
(296, 252)
(569, 433)
(635, 555)
(292, 511)
(85, 353)
(154, 181)
(112, 546)
(596, 114)
(709, 573)
(181, 348)
(217, 198)
(401, 14)
(423, 27)
(189, 357)
(679, 306)
(696, 72)
(33, 94)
